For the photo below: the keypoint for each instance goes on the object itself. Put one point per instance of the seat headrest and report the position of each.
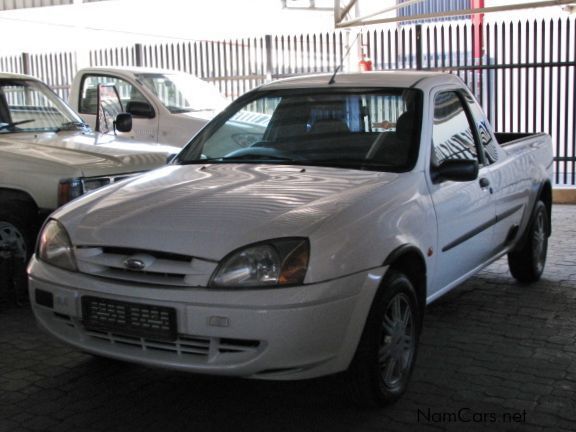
(405, 125)
(329, 126)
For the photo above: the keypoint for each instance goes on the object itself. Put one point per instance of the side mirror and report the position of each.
(140, 109)
(171, 158)
(123, 122)
(459, 170)
(109, 105)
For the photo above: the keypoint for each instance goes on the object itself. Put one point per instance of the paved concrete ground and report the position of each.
(495, 355)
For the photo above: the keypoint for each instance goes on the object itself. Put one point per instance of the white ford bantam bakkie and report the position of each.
(167, 107)
(48, 156)
(311, 251)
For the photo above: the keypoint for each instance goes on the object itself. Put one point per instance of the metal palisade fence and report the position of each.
(523, 73)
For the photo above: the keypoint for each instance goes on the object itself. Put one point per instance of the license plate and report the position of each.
(131, 319)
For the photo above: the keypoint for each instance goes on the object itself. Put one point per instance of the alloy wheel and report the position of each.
(398, 341)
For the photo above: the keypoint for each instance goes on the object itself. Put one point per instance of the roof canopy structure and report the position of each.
(353, 13)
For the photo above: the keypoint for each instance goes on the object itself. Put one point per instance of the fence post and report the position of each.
(268, 49)
(138, 54)
(26, 64)
(419, 46)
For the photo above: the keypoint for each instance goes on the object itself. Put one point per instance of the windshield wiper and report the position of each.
(73, 125)
(12, 125)
(244, 158)
(348, 163)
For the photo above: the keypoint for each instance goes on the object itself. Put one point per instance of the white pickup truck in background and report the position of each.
(310, 249)
(48, 156)
(167, 107)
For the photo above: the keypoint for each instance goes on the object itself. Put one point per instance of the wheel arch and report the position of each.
(23, 200)
(545, 195)
(7, 194)
(409, 260)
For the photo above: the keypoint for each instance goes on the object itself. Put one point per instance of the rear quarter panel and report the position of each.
(524, 167)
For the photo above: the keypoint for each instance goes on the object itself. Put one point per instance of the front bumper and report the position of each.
(289, 333)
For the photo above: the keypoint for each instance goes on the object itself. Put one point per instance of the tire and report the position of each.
(385, 357)
(527, 263)
(16, 240)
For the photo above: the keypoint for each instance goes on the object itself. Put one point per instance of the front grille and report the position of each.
(202, 348)
(157, 254)
(187, 349)
(157, 267)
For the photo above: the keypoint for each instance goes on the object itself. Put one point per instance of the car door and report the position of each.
(144, 116)
(464, 209)
(510, 194)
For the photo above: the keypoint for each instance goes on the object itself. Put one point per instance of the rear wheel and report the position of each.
(527, 263)
(385, 357)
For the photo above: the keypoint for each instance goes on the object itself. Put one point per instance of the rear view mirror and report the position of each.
(456, 170)
(140, 109)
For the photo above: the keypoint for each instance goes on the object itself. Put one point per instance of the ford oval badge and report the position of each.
(134, 264)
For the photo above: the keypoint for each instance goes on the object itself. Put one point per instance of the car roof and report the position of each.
(128, 70)
(402, 79)
(8, 75)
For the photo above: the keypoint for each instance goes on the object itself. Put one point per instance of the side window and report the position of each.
(487, 141)
(452, 136)
(89, 94)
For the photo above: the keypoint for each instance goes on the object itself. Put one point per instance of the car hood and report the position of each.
(209, 210)
(90, 153)
(201, 115)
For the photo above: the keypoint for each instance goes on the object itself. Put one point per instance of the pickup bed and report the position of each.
(48, 156)
(311, 249)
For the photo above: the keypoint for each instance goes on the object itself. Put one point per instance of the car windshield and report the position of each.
(359, 129)
(181, 93)
(30, 106)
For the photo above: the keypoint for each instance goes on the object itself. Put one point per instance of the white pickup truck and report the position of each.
(48, 156)
(167, 107)
(310, 251)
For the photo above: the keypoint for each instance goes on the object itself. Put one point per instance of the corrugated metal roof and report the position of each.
(434, 6)
(26, 4)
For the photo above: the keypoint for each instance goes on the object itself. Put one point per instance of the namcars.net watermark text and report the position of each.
(468, 415)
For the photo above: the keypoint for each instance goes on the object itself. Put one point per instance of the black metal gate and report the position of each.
(524, 77)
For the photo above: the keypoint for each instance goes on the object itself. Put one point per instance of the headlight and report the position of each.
(55, 248)
(95, 183)
(69, 189)
(281, 262)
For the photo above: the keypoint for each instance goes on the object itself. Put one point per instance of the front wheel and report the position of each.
(527, 263)
(15, 249)
(385, 357)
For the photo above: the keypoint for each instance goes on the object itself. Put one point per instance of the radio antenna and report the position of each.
(345, 56)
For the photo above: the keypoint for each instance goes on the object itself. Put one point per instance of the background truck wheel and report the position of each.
(527, 263)
(385, 357)
(16, 246)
